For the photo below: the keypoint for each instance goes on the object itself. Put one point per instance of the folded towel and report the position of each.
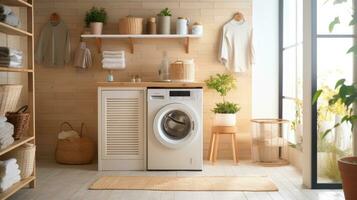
(5, 10)
(11, 64)
(114, 56)
(113, 66)
(6, 52)
(7, 143)
(8, 183)
(3, 119)
(6, 139)
(11, 19)
(8, 163)
(112, 53)
(113, 60)
(6, 129)
(9, 172)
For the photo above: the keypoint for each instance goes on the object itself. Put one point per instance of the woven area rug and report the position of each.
(198, 183)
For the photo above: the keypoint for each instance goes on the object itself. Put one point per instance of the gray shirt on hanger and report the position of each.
(53, 48)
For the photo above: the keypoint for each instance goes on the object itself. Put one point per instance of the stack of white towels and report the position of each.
(113, 60)
(9, 174)
(10, 57)
(6, 132)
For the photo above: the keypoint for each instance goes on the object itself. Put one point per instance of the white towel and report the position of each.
(7, 143)
(11, 170)
(4, 185)
(3, 119)
(113, 66)
(6, 129)
(6, 139)
(112, 53)
(113, 60)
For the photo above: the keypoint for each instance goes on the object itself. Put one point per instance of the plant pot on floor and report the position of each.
(164, 24)
(348, 170)
(225, 119)
(96, 28)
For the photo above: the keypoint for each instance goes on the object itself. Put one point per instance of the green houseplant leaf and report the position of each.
(334, 23)
(96, 15)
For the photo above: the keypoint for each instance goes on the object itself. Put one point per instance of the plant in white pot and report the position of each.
(225, 111)
(95, 18)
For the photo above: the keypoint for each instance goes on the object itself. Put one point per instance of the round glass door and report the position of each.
(175, 125)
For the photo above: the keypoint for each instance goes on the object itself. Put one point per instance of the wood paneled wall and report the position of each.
(69, 94)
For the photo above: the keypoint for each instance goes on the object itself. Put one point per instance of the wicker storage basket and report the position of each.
(177, 71)
(75, 151)
(25, 156)
(21, 121)
(131, 25)
(9, 96)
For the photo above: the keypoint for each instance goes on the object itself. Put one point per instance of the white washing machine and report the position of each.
(174, 129)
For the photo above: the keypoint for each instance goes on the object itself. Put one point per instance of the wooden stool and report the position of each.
(216, 132)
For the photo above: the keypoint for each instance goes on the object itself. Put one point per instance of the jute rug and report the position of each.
(199, 183)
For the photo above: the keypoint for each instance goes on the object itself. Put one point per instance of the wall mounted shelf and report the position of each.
(131, 39)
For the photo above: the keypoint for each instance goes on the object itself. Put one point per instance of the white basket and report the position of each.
(9, 97)
(25, 156)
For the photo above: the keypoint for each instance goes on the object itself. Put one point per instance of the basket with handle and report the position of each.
(21, 121)
(9, 96)
(75, 150)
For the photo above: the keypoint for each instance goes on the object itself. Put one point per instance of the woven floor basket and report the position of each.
(9, 96)
(25, 156)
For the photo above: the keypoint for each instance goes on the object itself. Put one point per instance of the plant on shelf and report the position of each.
(164, 21)
(347, 96)
(95, 18)
(225, 111)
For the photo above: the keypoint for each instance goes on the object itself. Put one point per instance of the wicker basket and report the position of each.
(9, 96)
(177, 71)
(21, 121)
(25, 156)
(131, 25)
(75, 151)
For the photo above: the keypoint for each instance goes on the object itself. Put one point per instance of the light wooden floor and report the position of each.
(71, 182)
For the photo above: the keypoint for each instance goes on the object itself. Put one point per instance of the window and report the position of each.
(291, 33)
(331, 63)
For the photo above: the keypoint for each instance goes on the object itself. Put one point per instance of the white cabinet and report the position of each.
(121, 129)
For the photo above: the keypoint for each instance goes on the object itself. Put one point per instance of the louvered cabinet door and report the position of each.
(122, 125)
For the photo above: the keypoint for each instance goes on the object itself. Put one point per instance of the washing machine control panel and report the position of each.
(172, 94)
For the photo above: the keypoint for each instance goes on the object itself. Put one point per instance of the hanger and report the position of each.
(238, 16)
(55, 18)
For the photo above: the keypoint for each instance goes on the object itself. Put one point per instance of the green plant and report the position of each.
(347, 96)
(223, 84)
(298, 115)
(96, 15)
(165, 12)
(226, 108)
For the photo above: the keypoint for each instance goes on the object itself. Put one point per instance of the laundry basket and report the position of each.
(270, 141)
(9, 96)
(21, 121)
(75, 150)
(25, 156)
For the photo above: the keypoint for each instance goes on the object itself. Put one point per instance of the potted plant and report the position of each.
(225, 111)
(164, 21)
(95, 18)
(296, 124)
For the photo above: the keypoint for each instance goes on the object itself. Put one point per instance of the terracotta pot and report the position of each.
(96, 28)
(348, 170)
(225, 119)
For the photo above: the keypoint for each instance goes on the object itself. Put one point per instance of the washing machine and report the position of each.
(174, 129)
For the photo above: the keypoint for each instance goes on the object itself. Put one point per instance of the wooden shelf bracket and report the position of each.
(187, 44)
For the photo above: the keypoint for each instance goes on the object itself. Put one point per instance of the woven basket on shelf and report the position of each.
(131, 25)
(75, 151)
(9, 96)
(25, 156)
(21, 121)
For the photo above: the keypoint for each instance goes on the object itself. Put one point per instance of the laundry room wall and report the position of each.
(69, 94)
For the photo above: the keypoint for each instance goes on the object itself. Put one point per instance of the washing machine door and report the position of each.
(175, 125)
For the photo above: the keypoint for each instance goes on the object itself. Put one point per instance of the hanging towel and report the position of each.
(83, 56)
(53, 48)
(236, 52)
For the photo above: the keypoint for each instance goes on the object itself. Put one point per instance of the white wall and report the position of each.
(265, 73)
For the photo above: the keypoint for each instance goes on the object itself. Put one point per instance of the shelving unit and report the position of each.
(131, 39)
(29, 70)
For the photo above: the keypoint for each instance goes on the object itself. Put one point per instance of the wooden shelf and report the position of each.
(9, 69)
(16, 144)
(19, 3)
(131, 38)
(5, 28)
(17, 186)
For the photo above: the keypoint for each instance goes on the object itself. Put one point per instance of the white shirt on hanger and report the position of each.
(236, 52)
